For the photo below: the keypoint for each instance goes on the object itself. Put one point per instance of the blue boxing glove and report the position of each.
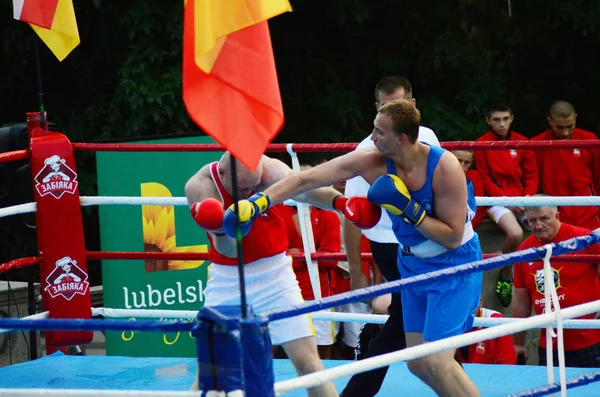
(392, 194)
(249, 210)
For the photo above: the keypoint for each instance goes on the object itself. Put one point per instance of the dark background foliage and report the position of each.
(124, 79)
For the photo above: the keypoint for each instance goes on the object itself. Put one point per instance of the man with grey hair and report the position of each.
(575, 284)
(569, 172)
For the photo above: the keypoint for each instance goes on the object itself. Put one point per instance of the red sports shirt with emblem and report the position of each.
(326, 233)
(267, 236)
(506, 172)
(576, 283)
(494, 351)
(571, 172)
(473, 176)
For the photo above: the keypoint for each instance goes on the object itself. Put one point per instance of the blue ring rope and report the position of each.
(567, 246)
(580, 380)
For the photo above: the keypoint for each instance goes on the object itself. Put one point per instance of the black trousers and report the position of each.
(588, 357)
(391, 337)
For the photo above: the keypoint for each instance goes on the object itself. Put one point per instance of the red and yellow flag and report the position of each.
(53, 20)
(230, 86)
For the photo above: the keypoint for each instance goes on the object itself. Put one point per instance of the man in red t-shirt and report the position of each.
(499, 350)
(569, 172)
(510, 173)
(575, 284)
(326, 234)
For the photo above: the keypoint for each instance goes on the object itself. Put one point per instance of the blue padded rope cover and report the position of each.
(219, 349)
(257, 358)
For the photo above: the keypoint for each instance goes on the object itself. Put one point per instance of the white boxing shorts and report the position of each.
(270, 284)
(497, 211)
(326, 332)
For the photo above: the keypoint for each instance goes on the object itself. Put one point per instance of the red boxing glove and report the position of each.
(208, 214)
(358, 210)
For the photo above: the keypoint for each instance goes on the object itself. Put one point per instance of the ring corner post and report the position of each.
(64, 280)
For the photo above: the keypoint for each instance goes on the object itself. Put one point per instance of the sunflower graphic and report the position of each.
(159, 232)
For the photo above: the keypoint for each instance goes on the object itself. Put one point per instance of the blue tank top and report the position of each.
(407, 234)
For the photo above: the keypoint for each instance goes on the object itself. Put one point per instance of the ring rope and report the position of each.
(325, 315)
(111, 255)
(338, 147)
(570, 245)
(411, 353)
(86, 201)
(310, 147)
(116, 255)
(577, 381)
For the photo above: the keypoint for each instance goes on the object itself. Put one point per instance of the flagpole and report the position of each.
(238, 236)
(39, 78)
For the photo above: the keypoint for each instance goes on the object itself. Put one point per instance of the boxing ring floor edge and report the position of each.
(59, 371)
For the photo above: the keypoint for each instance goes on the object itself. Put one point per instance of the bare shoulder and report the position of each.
(201, 186)
(368, 163)
(448, 172)
(274, 170)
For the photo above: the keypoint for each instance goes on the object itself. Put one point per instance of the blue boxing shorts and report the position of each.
(446, 307)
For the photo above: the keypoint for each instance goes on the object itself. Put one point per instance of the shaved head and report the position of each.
(247, 180)
(561, 110)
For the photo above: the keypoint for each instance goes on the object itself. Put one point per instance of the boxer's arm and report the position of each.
(450, 204)
(312, 186)
(201, 187)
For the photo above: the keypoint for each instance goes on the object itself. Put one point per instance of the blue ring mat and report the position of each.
(59, 371)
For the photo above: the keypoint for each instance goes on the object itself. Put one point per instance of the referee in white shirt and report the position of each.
(384, 247)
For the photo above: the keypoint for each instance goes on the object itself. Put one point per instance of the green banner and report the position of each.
(158, 284)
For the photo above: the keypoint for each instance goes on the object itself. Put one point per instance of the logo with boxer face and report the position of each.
(539, 280)
(56, 178)
(67, 279)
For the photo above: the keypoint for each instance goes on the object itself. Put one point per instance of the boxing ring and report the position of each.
(68, 313)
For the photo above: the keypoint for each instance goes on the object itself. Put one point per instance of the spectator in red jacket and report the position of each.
(506, 173)
(569, 172)
(326, 232)
(494, 351)
(465, 158)
(575, 283)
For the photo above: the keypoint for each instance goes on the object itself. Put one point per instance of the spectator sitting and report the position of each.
(465, 158)
(569, 172)
(575, 284)
(494, 351)
(506, 173)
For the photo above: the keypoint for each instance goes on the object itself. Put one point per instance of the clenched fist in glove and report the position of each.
(358, 210)
(208, 214)
(391, 193)
(249, 210)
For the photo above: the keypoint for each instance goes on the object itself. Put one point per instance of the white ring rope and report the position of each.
(411, 353)
(324, 316)
(86, 201)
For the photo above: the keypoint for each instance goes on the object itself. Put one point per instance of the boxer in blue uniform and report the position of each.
(425, 191)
